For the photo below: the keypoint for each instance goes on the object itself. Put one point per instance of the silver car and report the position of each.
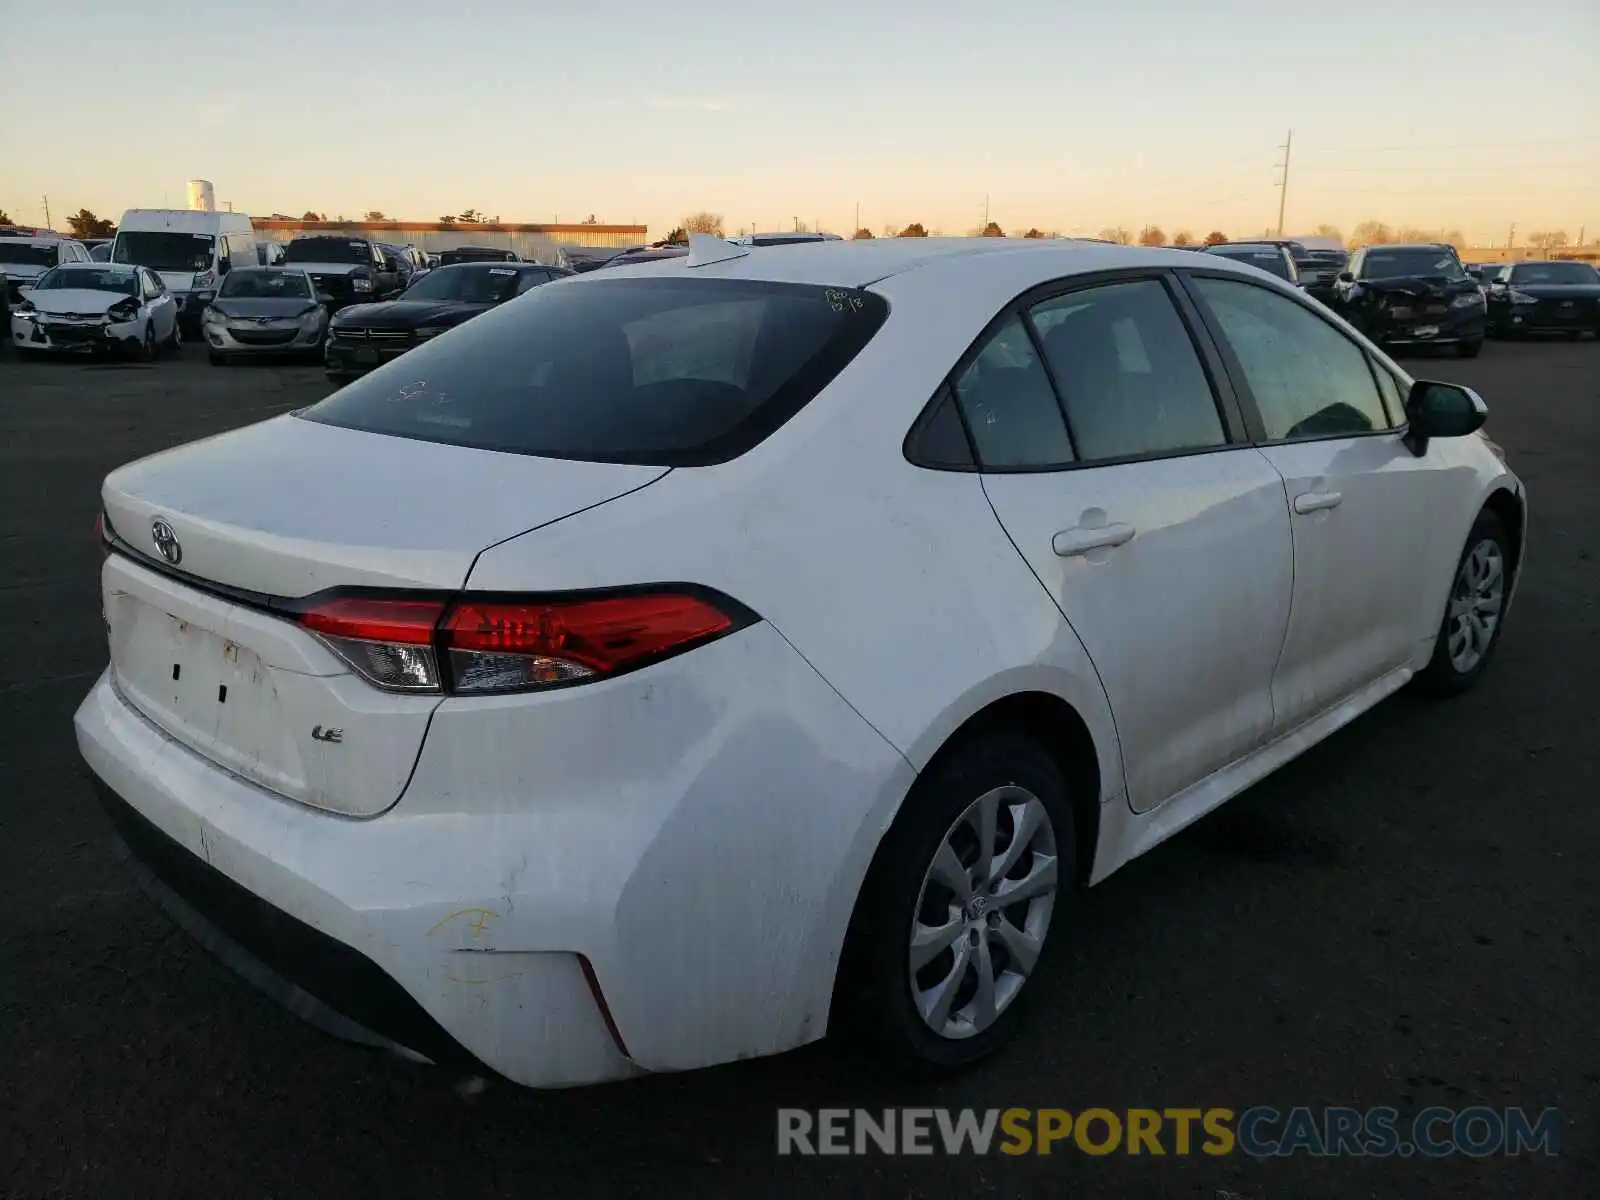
(265, 310)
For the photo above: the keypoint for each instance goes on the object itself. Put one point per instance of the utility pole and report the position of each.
(1582, 229)
(1283, 182)
(1511, 236)
(47, 224)
(858, 218)
(985, 211)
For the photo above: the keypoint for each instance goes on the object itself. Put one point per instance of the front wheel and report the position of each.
(174, 341)
(147, 344)
(1472, 619)
(1470, 349)
(956, 912)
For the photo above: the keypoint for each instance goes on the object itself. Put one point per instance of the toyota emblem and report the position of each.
(166, 541)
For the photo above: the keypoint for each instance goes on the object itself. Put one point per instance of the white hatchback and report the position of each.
(681, 659)
(96, 306)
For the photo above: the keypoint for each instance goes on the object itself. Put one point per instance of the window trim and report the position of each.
(1235, 427)
(1247, 397)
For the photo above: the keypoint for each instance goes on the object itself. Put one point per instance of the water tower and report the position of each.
(202, 196)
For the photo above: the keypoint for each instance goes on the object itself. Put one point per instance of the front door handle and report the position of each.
(1310, 502)
(1072, 542)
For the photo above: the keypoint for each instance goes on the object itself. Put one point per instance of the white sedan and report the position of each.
(681, 660)
(96, 306)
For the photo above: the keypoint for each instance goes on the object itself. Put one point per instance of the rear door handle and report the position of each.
(1072, 542)
(1310, 502)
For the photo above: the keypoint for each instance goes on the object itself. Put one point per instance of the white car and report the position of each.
(96, 306)
(675, 659)
(24, 259)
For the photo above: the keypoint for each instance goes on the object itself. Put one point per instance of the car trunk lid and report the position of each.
(225, 534)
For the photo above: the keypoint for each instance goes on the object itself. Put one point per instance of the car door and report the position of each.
(163, 314)
(1362, 505)
(1114, 456)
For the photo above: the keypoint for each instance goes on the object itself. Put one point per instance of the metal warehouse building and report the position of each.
(536, 243)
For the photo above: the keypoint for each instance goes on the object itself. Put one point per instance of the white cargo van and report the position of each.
(191, 251)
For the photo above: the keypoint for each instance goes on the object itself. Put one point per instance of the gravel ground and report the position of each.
(1405, 916)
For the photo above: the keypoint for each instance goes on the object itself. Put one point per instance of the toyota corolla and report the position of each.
(671, 665)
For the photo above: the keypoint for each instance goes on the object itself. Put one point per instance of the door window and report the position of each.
(1128, 372)
(1010, 406)
(1307, 378)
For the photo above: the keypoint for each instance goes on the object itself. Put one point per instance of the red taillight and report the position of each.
(510, 646)
(408, 622)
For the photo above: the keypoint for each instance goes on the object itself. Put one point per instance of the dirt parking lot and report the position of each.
(1406, 916)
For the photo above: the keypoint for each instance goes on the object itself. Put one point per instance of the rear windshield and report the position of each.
(470, 284)
(469, 255)
(327, 250)
(163, 251)
(1268, 258)
(1555, 272)
(672, 372)
(24, 254)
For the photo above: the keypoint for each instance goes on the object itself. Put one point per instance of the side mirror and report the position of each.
(1442, 410)
(1346, 277)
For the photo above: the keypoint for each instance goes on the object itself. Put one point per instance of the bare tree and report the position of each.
(1152, 235)
(1183, 238)
(678, 236)
(1371, 233)
(1330, 231)
(703, 222)
(1118, 235)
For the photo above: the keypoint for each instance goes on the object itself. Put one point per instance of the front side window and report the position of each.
(163, 251)
(1308, 379)
(1128, 372)
(1009, 404)
(671, 372)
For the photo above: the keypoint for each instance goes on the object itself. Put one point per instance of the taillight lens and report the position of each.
(480, 646)
(388, 642)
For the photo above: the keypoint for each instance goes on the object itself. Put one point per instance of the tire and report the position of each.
(1473, 590)
(174, 342)
(882, 999)
(1469, 349)
(147, 346)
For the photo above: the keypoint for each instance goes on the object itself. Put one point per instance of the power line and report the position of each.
(1563, 141)
(1474, 167)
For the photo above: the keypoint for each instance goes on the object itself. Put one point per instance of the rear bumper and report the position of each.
(653, 873)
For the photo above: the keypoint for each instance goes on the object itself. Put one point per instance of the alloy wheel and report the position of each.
(983, 912)
(1476, 602)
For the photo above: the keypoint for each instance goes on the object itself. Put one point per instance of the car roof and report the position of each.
(1411, 246)
(40, 239)
(859, 263)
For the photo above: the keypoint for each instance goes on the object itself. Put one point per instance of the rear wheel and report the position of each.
(1472, 619)
(1470, 349)
(956, 911)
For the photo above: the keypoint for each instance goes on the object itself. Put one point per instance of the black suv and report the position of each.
(345, 270)
(1414, 295)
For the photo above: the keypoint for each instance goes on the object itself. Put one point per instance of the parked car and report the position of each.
(1319, 270)
(1485, 273)
(100, 253)
(265, 310)
(644, 254)
(26, 258)
(1271, 257)
(782, 239)
(190, 250)
(367, 335)
(1408, 295)
(85, 306)
(345, 270)
(587, 649)
(93, 244)
(269, 253)
(477, 254)
(1545, 297)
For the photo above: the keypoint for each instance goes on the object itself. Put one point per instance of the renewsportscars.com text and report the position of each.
(1260, 1132)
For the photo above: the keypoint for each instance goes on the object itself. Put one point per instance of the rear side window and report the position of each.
(1131, 378)
(672, 372)
(1010, 406)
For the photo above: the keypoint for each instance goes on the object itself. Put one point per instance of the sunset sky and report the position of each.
(1469, 114)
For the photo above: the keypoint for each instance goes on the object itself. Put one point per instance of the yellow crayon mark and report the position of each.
(480, 920)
